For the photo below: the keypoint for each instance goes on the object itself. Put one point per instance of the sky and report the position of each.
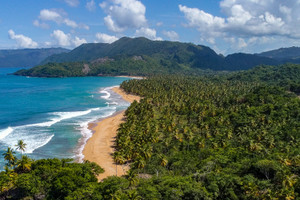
(226, 26)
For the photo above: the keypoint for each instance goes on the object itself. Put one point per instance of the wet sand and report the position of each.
(100, 147)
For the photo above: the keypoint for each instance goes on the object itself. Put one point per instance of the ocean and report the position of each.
(51, 115)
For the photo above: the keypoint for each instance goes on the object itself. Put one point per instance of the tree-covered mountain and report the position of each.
(286, 76)
(182, 53)
(284, 55)
(27, 57)
(243, 61)
(141, 56)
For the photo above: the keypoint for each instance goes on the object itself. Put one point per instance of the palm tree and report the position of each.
(24, 164)
(10, 157)
(21, 146)
(132, 178)
(163, 160)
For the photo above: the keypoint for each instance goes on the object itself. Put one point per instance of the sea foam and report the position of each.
(87, 133)
(5, 132)
(33, 145)
(59, 116)
(105, 96)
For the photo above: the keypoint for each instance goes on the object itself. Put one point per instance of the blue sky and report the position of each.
(227, 26)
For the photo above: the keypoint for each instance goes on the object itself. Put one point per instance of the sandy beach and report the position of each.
(100, 147)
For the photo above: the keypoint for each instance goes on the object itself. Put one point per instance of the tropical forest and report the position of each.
(211, 136)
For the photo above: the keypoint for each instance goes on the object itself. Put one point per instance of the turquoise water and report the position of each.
(51, 115)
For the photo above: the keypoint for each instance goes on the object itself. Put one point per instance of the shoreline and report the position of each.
(100, 146)
(134, 77)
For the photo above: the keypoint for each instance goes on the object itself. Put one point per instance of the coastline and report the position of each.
(100, 147)
(134, 77)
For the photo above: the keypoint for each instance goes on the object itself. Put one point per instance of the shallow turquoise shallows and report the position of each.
(51, 115)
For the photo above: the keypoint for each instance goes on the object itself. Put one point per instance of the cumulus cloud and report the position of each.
(22, 41)
(91, 5)
(43, 25)
(104, 38)
(72, 3)
(66, 40)
(61, 38)
(78, 41)
(124, 14)
(172, 35)
(246, 19)
(148, 33)
(57, 17)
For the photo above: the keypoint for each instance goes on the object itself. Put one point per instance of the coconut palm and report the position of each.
(21, 146)
(10, 157)
(132, 178)
(24, 164)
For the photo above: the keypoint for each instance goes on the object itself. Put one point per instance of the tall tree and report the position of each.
(10, 157)
(21, 146)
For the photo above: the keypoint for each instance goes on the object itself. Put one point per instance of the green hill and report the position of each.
(290, 54)
(26, 57)
(182, 53)
(144, 57)
(141, 56)
(242, 61)
(286, 76)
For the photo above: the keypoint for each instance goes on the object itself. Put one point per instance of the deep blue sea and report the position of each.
(51, 115)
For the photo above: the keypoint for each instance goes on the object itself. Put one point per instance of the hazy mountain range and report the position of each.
(159, 54)
(26, 57)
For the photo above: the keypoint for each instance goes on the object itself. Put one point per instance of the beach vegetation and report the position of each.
(230, 136)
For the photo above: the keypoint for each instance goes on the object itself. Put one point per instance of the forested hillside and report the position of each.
(141, 56)
(286, 76)
(191, 137)
(291, 54)
(161, 51)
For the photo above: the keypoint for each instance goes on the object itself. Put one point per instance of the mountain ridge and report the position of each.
(26, 57)
(141, 56)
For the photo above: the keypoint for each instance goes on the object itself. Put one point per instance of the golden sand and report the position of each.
(100, 147)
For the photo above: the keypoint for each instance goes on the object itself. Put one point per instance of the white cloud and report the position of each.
(253, 17)
(78, 41)
(246, 19)
(37, 23)
(70, 23)
(104, 38)
(200, 19)
(124, 14)
(49, 15)
(172, 35)
(111, 24)
(148, 33)
(61, 38)
(66, 40)
(22, 41)
(241, 43)
(91, 5)
(57, 17)
(72, 3)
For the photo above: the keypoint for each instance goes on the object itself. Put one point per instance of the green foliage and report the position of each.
(234, 136)
(52, 179)
(286, 76)
(142, 57)
(220, 132)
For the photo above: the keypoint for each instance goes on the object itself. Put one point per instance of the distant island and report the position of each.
(144, 57)
(27, 57)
